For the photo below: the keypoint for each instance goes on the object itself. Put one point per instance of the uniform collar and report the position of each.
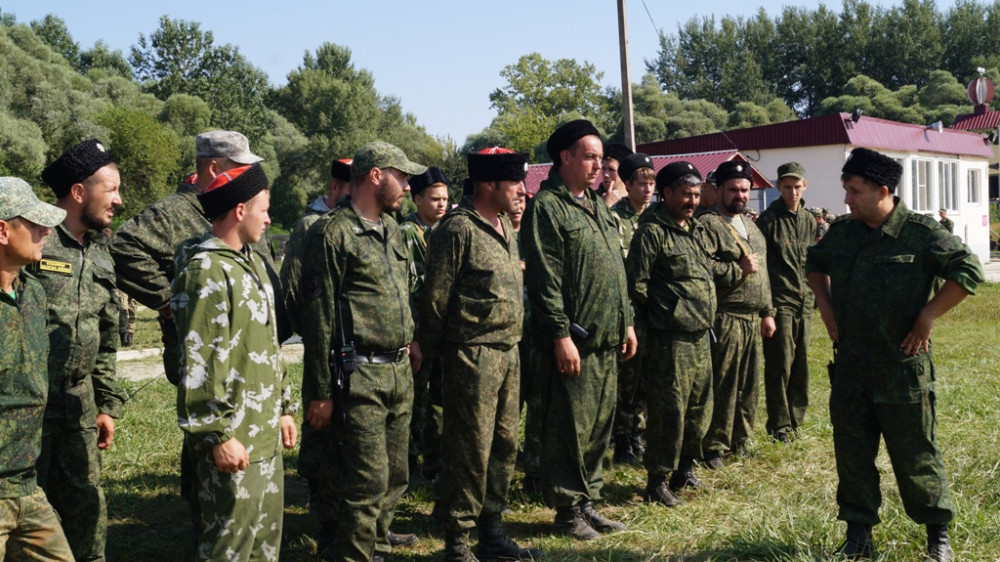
(897, 218)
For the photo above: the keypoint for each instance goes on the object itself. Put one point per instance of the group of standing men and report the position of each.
(683, 303)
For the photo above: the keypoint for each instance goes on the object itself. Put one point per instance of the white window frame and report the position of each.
(921, 193)
(947, 182)
(974, 179)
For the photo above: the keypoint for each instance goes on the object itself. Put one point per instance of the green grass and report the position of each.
(778, 503)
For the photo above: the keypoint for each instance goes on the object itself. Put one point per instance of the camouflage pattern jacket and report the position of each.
(880, 279)
(474, 289)
(368, 271)
(79, 282)
(24, 347)
(788, 236)
(750, 294)
(574, 270)
(291, 266)
(671, 274)
(628, 223)
(233, 383)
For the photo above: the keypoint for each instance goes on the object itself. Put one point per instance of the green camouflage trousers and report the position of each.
(426, 421)
(736, 375)
(786, 371)
(242, 513)
(32, 528)
(631, 396)
(480, 392)
(369, 471)
(860, 415)
(69, 470)
(678, 373)
(534, 392)
(576, 426)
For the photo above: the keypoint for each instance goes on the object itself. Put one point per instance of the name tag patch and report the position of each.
(63, 267)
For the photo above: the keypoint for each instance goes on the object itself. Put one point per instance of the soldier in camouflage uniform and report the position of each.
(472, 313)
(314, 445)
(671, 281)
(357, 287)
(789, 229)
(143, 251)
(78, 276)
(430, 194)
(873, 276)
(744, 315)
(27, 521)
(582, 324)
(709, 195)
(637, 171)
(232, 401)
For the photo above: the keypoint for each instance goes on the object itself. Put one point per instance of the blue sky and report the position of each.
(441, 58)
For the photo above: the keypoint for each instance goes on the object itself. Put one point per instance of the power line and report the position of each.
(651, 22)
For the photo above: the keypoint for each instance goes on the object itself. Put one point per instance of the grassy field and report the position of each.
(778, 503)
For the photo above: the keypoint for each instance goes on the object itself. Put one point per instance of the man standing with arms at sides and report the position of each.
(672, 283)
(143, 250)
(79, 280)
(637, 171)
(873, 276)
(744, 315)
(472, 315)
(430, 194)
(612, 188)
(582, 324)
(356, 290)
(232, 401)
(26, 518)
(789, 229)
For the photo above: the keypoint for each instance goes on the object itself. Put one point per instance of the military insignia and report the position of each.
(61, 267)
(739, 168)
(690, 167)
(100, 147)
(526, 167)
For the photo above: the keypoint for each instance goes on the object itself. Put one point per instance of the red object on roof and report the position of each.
(836, 128)
(704, 161)
(978, 120)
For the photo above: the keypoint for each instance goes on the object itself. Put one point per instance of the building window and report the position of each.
(920, 185)
(948, 185)
(975, 180)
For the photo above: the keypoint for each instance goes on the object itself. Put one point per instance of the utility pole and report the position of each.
(627, 121)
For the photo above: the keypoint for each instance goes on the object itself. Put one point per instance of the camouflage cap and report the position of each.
(380, 154)
(18, 200)
(225, 144)
(793, 169)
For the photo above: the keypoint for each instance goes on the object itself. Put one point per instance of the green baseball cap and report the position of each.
(379, 154)
(793, 169)
(18, 200)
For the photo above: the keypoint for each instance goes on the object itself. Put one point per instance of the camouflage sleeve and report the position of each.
(816, 256)
(646, 245)
(445, 251)
(955, 260)
(544, 252)
(291, 272)
(202, 311)
(321, 280)
(107, 396)
(144, 259)
(411, 238)
(724, 253)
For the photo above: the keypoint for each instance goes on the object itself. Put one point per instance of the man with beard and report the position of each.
(581, 324)
(743, 315)
(356, 291)
(789, 229)
(471, 314)
(430, 194)
(672, 282)
(84, 400)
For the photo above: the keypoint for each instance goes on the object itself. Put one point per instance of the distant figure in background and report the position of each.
(821, 225)
(947, 223)
(709, 195)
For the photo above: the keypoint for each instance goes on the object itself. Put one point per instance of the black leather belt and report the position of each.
(393, 356)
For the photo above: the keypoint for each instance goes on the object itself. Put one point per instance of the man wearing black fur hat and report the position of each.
(582, 325)
(472, 314)
(873, 277)
(79, 280)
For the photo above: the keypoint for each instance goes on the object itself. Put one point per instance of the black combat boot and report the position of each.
(495, 545)
(658, 491)
(598, 522)
(402, 539)
(858, 545)
(938, 545)
(683, 477)
(456, 547)
(638, 444)
(571, 522)
(713, 460)
(623, 451)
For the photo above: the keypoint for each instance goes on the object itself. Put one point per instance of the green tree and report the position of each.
(100, 57)
(53, 31)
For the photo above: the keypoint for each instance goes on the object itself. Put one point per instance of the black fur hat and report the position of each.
(874, 166)
(78, 163)
(565, 136)
(231, 188)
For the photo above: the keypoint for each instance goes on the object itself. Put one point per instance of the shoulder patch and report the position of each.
(56, 266)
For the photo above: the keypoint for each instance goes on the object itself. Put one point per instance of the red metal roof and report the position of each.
(979, 120)
(704, 161)
(836, 128)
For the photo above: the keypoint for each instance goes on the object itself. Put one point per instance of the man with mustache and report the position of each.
(672, 279)
(84, 400)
